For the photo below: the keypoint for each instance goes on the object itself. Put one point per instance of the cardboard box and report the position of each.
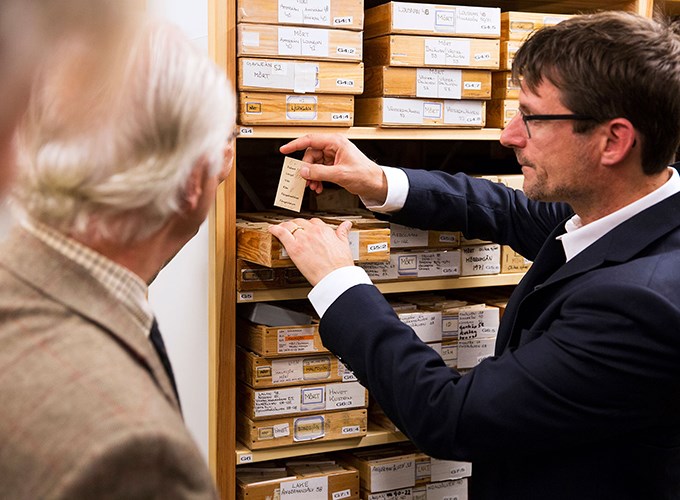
(286, 431)
(513, 262)
(274, 341)
(409, 237)
(259, 404)
(508, 49)
(386, 81)
(416, 265)
(330, 482)
(408, 112)
(345, 14)
(319, 77)
(478, 260)
(255, 244)
(519, 25)
(436, 52)
(383, 469)
(431, 19)
(499, 112)
(295, 42)
(502, 86)
(328, 110)
(260, 372)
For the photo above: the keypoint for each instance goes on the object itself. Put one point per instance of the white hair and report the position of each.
(118, 170)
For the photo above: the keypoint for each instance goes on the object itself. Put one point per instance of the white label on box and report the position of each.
(303, 42)
(246, 458)
(277, 402)
(344, 82)
(295, 340)
(305, 489)
(343, 21)
(482, 259)
(345, 373)
(290, 12)
(447, 52)
(476, 323)
(472, 85)
(450, 354)
(351, 429)
(450, 324)
(338, 495)
(449, 238)
(478, 20)
(287, 370)
(341, 117)
(407, 111)
(483, 56)
(445, 19)
(250, 38)
(257, 73)
(448, 490)
(378, 247)
(345, 395)
(380, 270)
(473, 352)
(281, 430)
(301, 107)
(463, 112)
(312, 398)
(426, 325)
(432, 264)
(426, 82)
(404, 237)
(407, 265)
(306, 77)
(354, 244)
(442, 83)
(347, 51)
(393, 475)
(401, 494)
(444, 470)
(412, 16)
(432, 110)
(304, 12)
(309, 428)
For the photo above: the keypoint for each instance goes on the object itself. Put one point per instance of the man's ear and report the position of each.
(621, 141)
(194, 186)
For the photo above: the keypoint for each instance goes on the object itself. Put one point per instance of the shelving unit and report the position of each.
(224, 452)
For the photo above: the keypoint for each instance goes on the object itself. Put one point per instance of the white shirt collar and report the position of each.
(578, 236)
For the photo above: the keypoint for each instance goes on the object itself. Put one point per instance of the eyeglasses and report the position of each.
(544, 118)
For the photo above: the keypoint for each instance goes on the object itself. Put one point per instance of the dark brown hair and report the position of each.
(612, 65)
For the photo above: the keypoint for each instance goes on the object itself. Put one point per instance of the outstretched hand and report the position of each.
(333, 158)
(315, 248)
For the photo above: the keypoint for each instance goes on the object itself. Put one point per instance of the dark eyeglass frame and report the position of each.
(544, 118)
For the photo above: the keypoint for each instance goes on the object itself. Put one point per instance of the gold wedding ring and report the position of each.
(296, 228)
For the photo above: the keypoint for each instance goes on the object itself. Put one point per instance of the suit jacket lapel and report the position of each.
(67, 283)
(619, 245)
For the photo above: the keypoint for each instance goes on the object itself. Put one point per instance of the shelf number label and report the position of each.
(246, 458)
(246, 131)
(246, 296)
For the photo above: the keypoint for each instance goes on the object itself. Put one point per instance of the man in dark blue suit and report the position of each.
(582, 399)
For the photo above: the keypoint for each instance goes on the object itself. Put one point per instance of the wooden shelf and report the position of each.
(376, 435)
(392, 287)
(449, 134)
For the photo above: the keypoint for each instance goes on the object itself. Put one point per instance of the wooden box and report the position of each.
(407, 112)
(260, 372)
(519, 25)
(286, 431)
(432, 19)
(502, 86)
(259, 108)
(443, 83)
(383, 469)
(512, 262)
(320, 77)
(260, 404)
(294, 42)
(326, 481)
(255, 244)
(508, 49)
(345, 14)
(436, 52)
(250, 276)
(499, 112)
(277, 341)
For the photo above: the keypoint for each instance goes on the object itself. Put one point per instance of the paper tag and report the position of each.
(447, 52)
(406, 111)
(291, 186)
(305, 489)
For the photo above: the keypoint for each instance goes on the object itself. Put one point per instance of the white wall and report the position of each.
(179, 295)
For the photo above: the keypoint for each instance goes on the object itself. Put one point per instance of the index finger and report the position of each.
(316, 141)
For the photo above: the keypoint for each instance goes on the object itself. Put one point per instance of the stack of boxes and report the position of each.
(428, 65)
(300, 62)
(515, 28)
(290, 388)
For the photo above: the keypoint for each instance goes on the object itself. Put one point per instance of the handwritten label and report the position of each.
(441, 83)
(305, 489)
(390, 476)
(447, 52)
(291, 186)
(302, 42)
(292, 340)
(469, 113)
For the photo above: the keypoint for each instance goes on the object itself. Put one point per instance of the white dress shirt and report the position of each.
(576, 239)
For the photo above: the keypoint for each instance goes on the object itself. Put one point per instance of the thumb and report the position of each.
(343, 229)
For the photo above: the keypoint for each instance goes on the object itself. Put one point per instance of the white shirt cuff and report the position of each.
(335, 284)
(397, 191)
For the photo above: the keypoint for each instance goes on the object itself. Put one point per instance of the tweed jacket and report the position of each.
(86, 410)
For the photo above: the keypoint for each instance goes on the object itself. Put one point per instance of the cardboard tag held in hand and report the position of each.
(291, 186)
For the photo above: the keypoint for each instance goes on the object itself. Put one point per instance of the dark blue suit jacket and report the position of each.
(582, 400)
